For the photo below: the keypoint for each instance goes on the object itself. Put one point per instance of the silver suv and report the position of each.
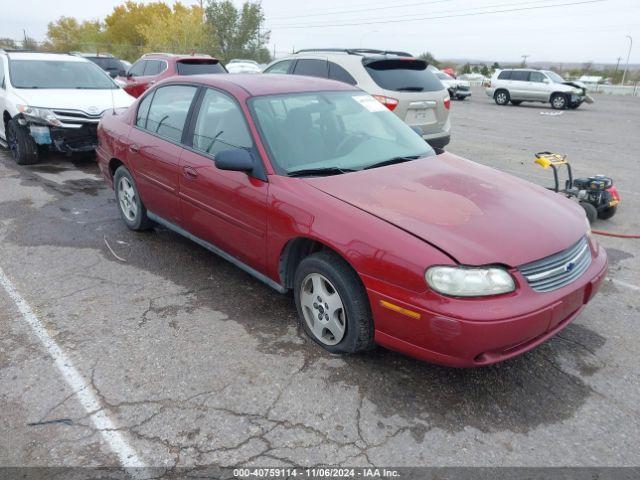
(400, 82)
(526, 85)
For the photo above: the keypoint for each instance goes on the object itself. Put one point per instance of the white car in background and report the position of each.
(53, 102)
(459, 89)
(238, 65)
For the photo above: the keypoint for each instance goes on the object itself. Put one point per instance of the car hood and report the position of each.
(474, 213)
(88, 101)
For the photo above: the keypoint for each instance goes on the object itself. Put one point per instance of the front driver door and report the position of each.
(227, 209)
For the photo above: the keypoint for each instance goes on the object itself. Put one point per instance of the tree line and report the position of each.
(132, 29)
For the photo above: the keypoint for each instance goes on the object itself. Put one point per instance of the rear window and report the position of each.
(197, 67)
(402, 75)
(505, 75)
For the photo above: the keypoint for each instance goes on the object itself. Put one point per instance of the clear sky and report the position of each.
(586, 30)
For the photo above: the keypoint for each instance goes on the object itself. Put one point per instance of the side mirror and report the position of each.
(237, 160)
(128, 74)
(113, 73)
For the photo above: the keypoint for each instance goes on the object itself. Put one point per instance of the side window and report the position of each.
(336, 72)
(169, 109)
(220, 125)
(280, 67)
(137, 69)
(2, 86)
(143, 111)
(520, 75)
(154, 67)
(536, 77)
(504, 75)
(312, 68)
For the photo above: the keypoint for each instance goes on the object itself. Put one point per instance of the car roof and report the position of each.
(268, 84)
(55, 57)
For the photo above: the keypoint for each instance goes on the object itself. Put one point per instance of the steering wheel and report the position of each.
(349, 143)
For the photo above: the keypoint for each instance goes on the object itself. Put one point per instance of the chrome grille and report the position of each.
(76, 118)
(558, 270)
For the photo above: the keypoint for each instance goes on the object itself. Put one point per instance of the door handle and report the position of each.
(189, 172)
(134, 148)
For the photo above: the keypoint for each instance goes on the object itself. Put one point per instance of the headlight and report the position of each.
(43, 114)
(470, 281)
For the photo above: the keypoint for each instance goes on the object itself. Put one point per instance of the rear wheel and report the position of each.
(516, 102)
(501, 97)
(607, 213)
(559, 101)
(590, 211)
(332, 305)
(132, 210)
(23, 149)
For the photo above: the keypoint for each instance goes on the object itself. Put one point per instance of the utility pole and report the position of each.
(524, 60)
(624, 74)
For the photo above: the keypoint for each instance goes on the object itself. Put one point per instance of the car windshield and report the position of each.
(338, 131)
(58, 74)
(554, 77)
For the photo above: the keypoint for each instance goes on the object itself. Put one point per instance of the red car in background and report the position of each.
(314, 186)
(153, 67)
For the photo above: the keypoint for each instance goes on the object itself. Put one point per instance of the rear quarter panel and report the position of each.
(113, 140)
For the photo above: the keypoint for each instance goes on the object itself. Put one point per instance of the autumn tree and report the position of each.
(181, 30)
(8, 43)
(428, 57)
(237, 33)
(67, 34)
(123, 27)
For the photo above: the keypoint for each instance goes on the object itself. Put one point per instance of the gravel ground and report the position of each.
(185, 360)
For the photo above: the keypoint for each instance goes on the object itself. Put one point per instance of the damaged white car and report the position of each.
(53, 102)
(458, 89)
(526, 85)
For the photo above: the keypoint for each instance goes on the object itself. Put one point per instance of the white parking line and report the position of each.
(85, 394)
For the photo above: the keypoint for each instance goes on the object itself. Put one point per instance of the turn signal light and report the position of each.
(447, 103)
(390, 103)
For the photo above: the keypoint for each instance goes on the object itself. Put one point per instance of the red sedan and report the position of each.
(313, 186)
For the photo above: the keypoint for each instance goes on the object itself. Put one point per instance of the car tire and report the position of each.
(590, 211)
(461, 97)
(501, 97)
(516, 102)
(23, 149)
(574, 106)
(559, 101)
(130, 205)
(607, 213)
(333, 307)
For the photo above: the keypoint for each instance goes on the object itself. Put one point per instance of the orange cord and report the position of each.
(610, 234)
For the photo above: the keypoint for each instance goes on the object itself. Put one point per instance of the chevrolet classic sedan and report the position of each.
(313, 186)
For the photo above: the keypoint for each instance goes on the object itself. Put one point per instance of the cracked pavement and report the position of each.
(198, 363)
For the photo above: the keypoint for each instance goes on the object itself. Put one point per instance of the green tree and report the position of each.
(237, 33)
(123, 27)
(428, 57)
(9, 43)
(484, 70)
(495, 66)
(181, 30)
(466, 68)
(67, 34)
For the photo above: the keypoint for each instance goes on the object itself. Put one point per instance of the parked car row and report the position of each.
(316, 178)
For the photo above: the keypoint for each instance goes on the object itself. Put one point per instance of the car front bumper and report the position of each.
(65, 139)
(416, 327)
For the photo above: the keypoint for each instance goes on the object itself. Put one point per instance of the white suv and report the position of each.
(404, 84)
(525, 85)
(53, 102)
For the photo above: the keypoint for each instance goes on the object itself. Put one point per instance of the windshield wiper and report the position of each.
(319, 171)
(409, 89)
(392, 161)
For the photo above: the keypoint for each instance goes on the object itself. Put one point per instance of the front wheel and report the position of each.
(23, 149)
(559, 101)
(332, 305)
(132, 210)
